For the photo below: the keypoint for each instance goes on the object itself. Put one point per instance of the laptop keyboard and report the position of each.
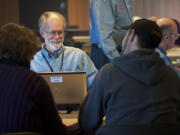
(70, 115)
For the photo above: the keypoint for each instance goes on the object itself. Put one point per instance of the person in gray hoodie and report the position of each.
(136, 87)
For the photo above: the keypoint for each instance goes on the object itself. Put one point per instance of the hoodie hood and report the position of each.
(144, 66)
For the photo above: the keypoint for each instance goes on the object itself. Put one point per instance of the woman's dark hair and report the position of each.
(18, 43)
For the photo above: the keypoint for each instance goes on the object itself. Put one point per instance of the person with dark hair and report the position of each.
(135, 87)
(26, 102)
(54, 56)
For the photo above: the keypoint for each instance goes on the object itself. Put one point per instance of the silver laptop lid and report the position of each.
(67, 87)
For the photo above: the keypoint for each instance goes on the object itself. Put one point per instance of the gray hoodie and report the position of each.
(135, 88)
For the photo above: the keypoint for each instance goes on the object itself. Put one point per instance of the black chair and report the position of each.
(141, 129)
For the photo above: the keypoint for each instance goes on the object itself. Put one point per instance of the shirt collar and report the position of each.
(162, 50)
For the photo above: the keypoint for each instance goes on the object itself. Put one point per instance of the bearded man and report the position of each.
(54, 56)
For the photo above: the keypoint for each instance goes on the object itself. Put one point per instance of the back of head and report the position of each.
(166, 25)
(169, 31)
(148, 32)
(17, 43)
(43, 19)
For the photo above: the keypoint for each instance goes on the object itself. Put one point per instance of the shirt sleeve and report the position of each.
(89, 68)
(38, 64)
(105, 20)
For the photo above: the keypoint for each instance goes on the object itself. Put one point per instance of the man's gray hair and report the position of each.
(43, 19)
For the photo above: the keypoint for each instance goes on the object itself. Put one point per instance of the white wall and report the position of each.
(159, 8)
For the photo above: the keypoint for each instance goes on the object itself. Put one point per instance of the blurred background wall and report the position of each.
(9, 11)
(27, 12)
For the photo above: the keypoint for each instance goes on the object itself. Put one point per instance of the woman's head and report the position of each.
(18, 43)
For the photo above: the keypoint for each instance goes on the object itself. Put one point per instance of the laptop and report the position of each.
(68, 88)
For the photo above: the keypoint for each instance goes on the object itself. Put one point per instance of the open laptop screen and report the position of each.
(68, 88)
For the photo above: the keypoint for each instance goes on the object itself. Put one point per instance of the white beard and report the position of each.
(53, 45)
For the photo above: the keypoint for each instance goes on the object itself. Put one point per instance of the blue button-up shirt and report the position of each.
(106, 19)
(65, 59)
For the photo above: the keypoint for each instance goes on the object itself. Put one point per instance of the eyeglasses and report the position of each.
(177, 35)
(54, 33)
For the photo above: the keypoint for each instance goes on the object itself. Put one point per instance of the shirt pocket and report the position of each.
(122, 14)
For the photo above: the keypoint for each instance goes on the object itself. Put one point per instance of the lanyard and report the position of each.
(49, 63)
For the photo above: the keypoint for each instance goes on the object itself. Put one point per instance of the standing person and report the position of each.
(26, 102)
(54, 56)
(106, 17)
(135, 87)
(170, 34)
